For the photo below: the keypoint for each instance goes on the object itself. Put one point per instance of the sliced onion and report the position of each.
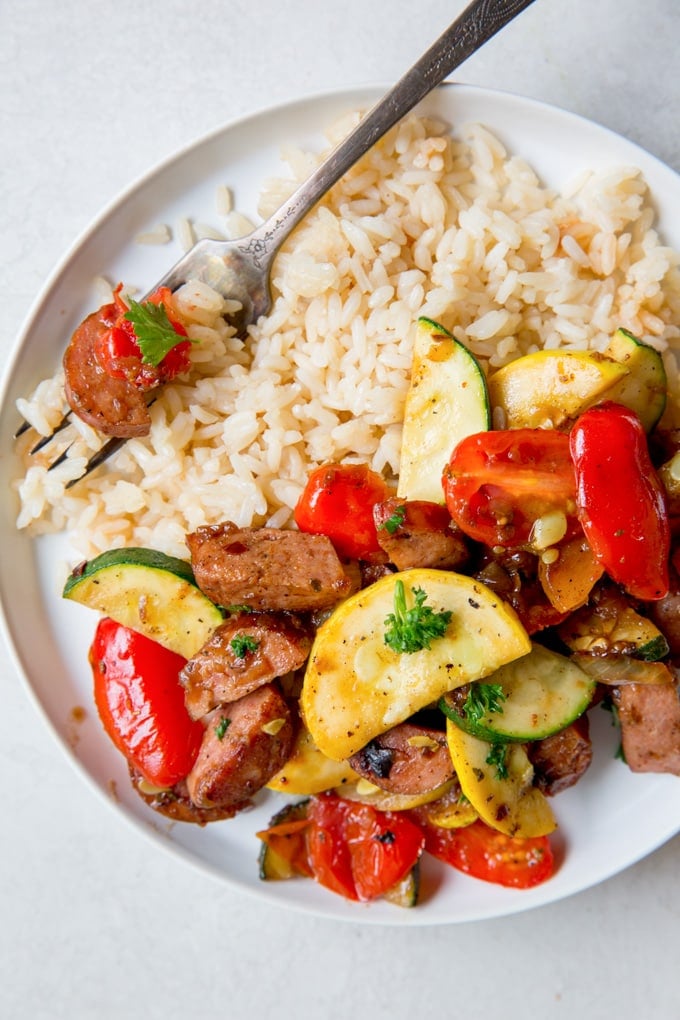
(614, 670)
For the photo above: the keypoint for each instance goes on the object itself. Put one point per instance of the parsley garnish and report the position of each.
(608, 705)
(221, 727)
(496, 756)
(482, 699)
(395, 520)
(410, 630)
(155, 333)
(241, 644)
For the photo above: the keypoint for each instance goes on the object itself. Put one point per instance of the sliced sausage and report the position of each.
(417, 533)
(245, 652)
(267, 568)
(176, 805)
(408, 759)
(665, 613)
(561, 759)
(649, 715)
(245, 744)
(115, 407)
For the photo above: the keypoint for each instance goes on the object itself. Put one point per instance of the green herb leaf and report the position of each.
(242, 644)
(483, 699)
(410, 630)
(497, 756)
(221, 727)
(395, 521)
(608, 705)
(155, 333)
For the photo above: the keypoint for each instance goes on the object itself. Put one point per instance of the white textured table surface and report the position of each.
(92, 922)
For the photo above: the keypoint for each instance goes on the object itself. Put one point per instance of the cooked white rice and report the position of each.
(426, 224)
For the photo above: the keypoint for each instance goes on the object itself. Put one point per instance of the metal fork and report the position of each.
(240, 269)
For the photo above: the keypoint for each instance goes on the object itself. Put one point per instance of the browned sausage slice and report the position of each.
(115, 407)
(407, 759)
(176, 805)
(245, 652)
(666, 614)
(417, 533)
(561, 759)
(267, 568)
(245, 744)
(650, 726)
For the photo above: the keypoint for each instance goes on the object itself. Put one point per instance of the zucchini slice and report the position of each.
(356, 686)
(149, 592)
(405, 893)
(509, 802)
(547, 388)
(644, 389)
(275, 865)
(540, 694)
(613, 628)
(446, 401)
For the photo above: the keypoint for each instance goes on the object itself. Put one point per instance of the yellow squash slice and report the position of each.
(309, 770)
(510, 804)
(357, 687)
(547, 388)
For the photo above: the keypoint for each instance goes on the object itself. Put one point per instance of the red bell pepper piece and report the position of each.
(141, 703)
(620, 499)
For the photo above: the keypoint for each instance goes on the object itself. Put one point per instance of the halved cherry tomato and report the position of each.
(621, 499)
(119, 354)
(484, 853)
(338, 501)
(497, 484)
(141, 703)
(329, 855)
(357, 850)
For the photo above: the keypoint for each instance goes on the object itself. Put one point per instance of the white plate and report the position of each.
(610, 820)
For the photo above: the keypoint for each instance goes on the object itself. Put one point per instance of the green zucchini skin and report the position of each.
(542, 692)
(272, 867)
(645, 388)
(447, 400)
(135, 555)
(406, 892)
(149, 592)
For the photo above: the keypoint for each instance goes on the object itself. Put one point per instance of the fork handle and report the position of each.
(480, 20)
